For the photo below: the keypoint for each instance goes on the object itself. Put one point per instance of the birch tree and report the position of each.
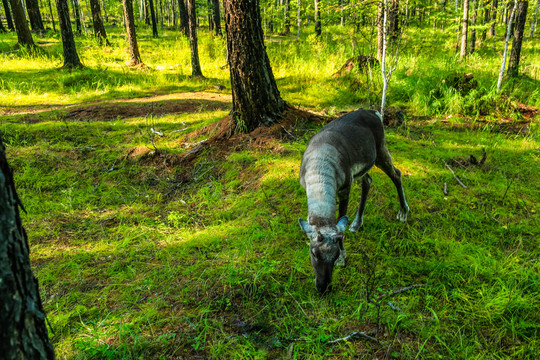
(505, 53)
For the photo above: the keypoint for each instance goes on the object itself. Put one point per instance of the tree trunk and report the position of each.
(24, 36)
(286, 21)
(8, 15)
(318, 26)
(217, 18)
(71, 58)
(192, 24)
(256, 98)
(210, 9)
(36, 22)
(299, 17)
(380, 29)
(105, 11)
(505, 53)
(184, 18)
(129, 19)
(486, 21)
(465, 28)
(493, 18)
(472, 47)
(99, 29)
(393, 20)
(52, 16)
(533, 21)
(519, 30)
(153, 18)
(76, 14)
(22, 319)
(2, 29)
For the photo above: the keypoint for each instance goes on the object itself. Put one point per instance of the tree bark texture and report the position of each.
(71, 58)
(318, 24)
(217, 18)
(34, 14)
(76, 14)
(129, 19)
(464, 29)
(24, 36)
(256, 98)
(184, 18)
(380, 29)
(519, 31)
(99, 29)
(192, 24)
(153, 18)
(22, 319)
(7, 11)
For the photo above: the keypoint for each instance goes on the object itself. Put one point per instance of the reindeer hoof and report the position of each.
(356, 225)
(402, 215)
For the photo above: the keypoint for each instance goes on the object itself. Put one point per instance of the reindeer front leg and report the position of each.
(359, 218)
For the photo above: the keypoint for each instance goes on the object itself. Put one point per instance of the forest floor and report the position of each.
(149, 244)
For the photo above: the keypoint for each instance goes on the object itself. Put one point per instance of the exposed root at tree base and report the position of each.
(224, 139)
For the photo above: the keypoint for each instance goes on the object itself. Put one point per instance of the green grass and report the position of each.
(141, 258)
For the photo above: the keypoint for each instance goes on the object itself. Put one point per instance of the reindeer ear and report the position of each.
(342, 223)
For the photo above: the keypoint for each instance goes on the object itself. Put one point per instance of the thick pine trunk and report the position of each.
(129, 19)
(22, 319)
(9, 20)
(24, 36)
(184, 18)
(99, 29)
(519, 31)
(192, 24)
(256, 98)
(34, 14)
(71, 58)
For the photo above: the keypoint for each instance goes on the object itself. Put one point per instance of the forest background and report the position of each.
(147, 245)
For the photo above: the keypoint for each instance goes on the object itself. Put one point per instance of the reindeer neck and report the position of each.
(321, 198)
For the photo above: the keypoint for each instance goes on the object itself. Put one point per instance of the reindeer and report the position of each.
(345, 149)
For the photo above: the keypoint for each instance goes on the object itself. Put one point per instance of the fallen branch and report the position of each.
(395, 292)
(355, 334)
(455, 176)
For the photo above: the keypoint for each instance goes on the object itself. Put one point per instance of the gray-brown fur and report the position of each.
(344, 150)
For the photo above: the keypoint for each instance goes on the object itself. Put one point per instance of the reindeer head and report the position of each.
(325, 246)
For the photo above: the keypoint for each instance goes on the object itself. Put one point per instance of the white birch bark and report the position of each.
(505, 54)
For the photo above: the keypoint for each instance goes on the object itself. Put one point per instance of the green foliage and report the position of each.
(139, 256)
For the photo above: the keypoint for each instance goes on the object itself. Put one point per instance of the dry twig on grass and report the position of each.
(455, 176)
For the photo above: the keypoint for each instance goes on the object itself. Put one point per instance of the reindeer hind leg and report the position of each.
(384, 162)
